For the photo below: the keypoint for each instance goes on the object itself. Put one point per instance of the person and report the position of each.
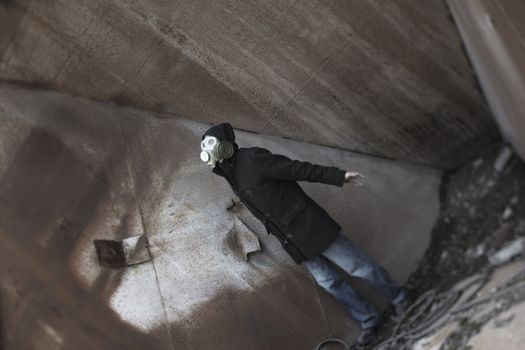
(267, 185)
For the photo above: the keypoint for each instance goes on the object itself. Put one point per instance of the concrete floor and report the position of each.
(72, 170)
(387, 78)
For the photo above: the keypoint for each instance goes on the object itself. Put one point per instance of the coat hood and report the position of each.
(223, 131)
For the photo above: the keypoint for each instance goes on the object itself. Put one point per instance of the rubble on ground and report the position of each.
(472, 279)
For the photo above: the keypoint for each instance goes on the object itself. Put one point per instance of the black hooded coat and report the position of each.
(266, 184)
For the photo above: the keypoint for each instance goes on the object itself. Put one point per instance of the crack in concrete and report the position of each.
(313, 75)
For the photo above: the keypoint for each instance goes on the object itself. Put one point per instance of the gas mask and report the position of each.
(214, 151)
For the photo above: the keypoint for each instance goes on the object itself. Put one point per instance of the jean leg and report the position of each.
(329, 279)
(356, 263)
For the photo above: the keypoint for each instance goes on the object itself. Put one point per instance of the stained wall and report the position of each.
(386, 78)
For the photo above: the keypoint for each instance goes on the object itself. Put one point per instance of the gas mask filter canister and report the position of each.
(214, 151)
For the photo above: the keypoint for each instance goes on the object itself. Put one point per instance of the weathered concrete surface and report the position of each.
(381, 77)
(72, 170)
(494, 36)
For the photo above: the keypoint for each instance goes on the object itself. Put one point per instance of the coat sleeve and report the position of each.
(282, 167)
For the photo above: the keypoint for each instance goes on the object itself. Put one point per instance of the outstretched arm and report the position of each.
(282, 167)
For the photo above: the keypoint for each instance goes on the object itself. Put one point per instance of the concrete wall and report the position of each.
(386, 78)
(494, 34)
(72, 170)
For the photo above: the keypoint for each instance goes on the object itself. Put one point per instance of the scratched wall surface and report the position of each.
(387, 78)
(73, 170)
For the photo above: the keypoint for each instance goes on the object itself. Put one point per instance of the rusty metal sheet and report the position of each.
(121, 253)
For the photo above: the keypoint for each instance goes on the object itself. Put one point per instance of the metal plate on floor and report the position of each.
(121, 253)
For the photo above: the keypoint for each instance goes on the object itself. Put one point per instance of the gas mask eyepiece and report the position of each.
(214, 151)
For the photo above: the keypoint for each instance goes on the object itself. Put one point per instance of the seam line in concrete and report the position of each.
(64, 65)
(139, 208)
(15, 35)
(325, 317)
(312, 76)
(148, 58)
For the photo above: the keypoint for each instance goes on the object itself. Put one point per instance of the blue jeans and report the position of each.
(353, 261)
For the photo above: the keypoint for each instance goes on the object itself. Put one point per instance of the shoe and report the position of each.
(401, 308)
(366, 336)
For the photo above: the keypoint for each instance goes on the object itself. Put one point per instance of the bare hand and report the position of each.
(354, 178)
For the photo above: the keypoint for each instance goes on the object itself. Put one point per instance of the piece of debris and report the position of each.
(64, 225)
(480, 250)
(444, 255)
(233, 205)
(476, 252)
(478, 163)
(503, 158)
(507, 213)
(500, 323)
(247, 240)
(121, 253)
(508, 252)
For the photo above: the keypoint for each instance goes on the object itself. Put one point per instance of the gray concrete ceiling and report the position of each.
(380, 77)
